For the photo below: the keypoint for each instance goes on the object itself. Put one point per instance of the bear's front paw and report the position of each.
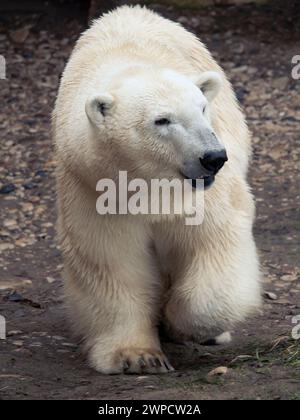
(132, 360)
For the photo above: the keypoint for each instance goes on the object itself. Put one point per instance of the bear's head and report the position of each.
(157, 124)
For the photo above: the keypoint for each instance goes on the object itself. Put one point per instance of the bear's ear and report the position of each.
(97, 107)
(210, 83)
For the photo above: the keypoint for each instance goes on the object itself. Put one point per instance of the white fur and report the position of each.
(124, 273)
(223, 338)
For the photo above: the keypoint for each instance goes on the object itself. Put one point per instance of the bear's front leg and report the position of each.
(129, 342)
(217, 286)
(114, 306)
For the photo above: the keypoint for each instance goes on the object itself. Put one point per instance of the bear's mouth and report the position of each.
(208, 180)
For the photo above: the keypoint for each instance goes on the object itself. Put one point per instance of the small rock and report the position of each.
(14, 332)
(221, 370)
(8, 188)
(18, 343)
(15, 297)
(19, 313)
(10, 284)
(29, 185)
(182, 19)
(50, 280)
(22, 350)
(21, 242)
(141, 378)
(10, 223)
(40, 333)
(47, 225)
(37, 344)
(69, 344)
(27, 207)
(19, 35)
(280, 82)
(5, 246)
(289, 277)
(41, 173)
(271, 295)
(241, 93)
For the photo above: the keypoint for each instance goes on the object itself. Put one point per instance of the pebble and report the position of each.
(142, 378)
(27, 207)
(14, 332)
(22, 350)
(29, 185)
(289, 277)
(10, 223)
(18, 343)
(8, 188)
(271, 295)
(37, 344)
(69, 344)
(4, 246)
(219, 371)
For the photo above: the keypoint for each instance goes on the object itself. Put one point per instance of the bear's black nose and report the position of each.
(213, 161)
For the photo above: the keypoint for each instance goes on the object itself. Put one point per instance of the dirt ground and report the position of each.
(38, 359)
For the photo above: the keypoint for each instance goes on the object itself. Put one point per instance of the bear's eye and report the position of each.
(204, 109)
(162, 121)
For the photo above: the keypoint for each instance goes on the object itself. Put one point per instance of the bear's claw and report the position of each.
(135, 361)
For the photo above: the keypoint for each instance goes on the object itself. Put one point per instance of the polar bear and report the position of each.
(143, 95)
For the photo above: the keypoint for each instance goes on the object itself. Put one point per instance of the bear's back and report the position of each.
(144, 31)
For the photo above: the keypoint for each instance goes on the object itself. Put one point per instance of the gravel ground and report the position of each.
(39, 359)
